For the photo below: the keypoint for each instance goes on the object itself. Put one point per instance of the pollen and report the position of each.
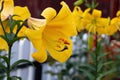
(62, 44)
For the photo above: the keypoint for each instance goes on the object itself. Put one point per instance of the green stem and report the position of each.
(96, 59)
(8, 65)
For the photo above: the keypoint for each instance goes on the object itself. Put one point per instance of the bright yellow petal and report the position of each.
(118, 13)
(6, 27)
(40, 56)
(78, 17)
(112, 29)
(77, 11)
(3, 44)
(96, 13)
(35, 36)
(63, 21)
(101, 25)
(7, 10)
(49, 14)
(21, 12)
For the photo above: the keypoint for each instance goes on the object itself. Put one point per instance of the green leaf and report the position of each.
(108, 63)
(15, 78)
(106, 73)
(20, 26)
(99, 66)
(79, 2)
(4, 58)
(2, 76)
(87, 73)
(88, 5)
(98, 49)
(101, 56)
(15, 64)
(2, 66)
(88, 66)
(93, 57)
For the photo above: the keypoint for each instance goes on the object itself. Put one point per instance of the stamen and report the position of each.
(62, 45)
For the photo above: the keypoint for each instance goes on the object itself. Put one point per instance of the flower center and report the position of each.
(94, 21)
(62, 45)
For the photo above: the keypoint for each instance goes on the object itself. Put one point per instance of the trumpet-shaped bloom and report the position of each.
(9, 10)
(52, 34)
(93, 22)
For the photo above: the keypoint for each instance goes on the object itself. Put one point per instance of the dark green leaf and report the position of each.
(102, 55)
(19, 27)
(16, 78)
(87, 66)
(100, 66)
(2, 66)
(106, 73)
(2, 76)
(109, 63)
(20, 62)
(93, 57)
(4, 58)
(88, 5)
(87, 73)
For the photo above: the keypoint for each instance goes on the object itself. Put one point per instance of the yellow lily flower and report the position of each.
(115, 22)
(8, 8)
(93, 22)
(52, 34)
(78, 16)
(105, 28)
(112, 28)
(114, 25)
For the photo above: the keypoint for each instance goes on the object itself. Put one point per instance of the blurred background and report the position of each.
(52, 70)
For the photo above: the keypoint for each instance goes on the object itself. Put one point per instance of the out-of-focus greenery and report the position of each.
(2, 68)
(101, 61)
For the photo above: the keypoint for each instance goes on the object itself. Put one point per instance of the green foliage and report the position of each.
(10, 37)
(98, 65)
(15, 64)
(93, 4)
(78, 2)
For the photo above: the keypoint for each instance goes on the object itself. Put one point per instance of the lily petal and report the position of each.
(96, 13)
(63, 21)
(3, 44)
(35, 23)
(49, 14)
(21, 12)
(40, 55)
(7, 10)
(78, 16)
